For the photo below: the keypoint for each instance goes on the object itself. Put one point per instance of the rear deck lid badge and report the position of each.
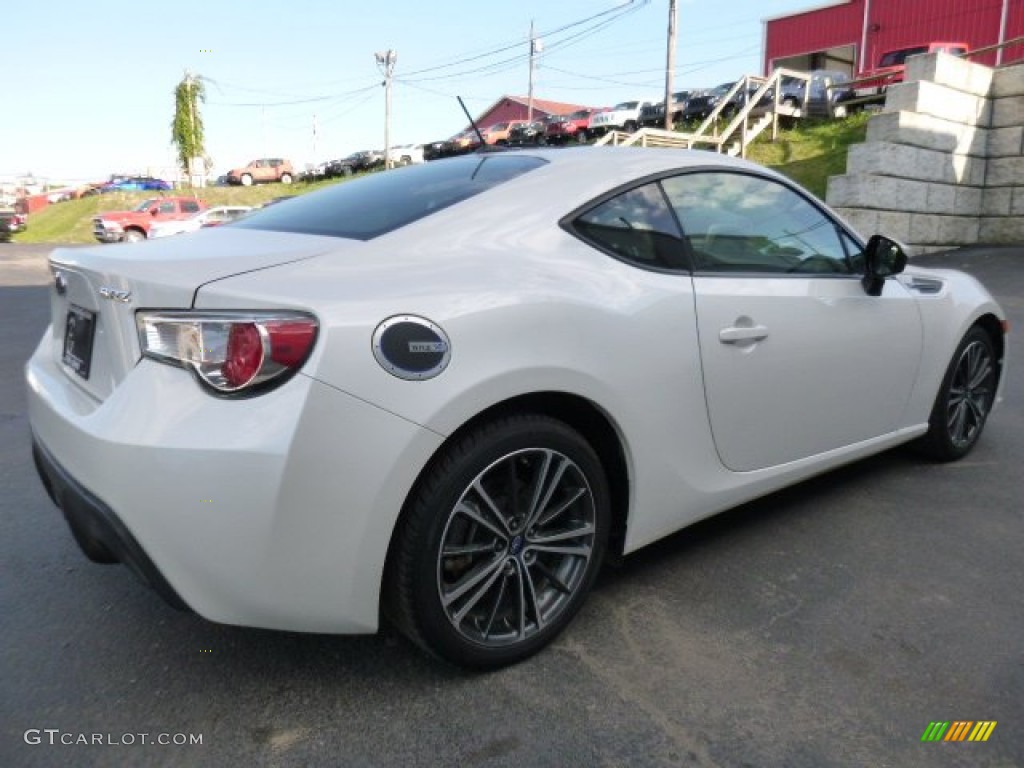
(114, 294)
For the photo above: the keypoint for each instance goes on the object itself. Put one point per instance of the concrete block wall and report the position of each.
(943, 164)
(1002, 215)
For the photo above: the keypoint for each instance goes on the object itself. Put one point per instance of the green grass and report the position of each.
(812, 151)
(71, 221)
(808, 154)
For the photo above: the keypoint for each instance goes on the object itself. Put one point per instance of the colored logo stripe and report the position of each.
(982, 730)
(958, 730)
(935, 731)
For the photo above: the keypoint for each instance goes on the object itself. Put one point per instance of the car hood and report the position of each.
(168, 273)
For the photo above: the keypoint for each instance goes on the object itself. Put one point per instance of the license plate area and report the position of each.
(79, 330)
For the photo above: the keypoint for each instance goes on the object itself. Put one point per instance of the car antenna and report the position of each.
(472, 122)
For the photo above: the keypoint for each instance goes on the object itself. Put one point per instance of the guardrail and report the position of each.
(997, 47)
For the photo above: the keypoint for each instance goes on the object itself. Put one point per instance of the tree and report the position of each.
(187, 125)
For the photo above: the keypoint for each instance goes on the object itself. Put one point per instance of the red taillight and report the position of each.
(290, 342)
(232, 352)
(244, 356)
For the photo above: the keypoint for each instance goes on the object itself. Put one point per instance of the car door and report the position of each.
(797, 359)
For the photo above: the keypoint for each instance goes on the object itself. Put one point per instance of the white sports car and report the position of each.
(443, 394)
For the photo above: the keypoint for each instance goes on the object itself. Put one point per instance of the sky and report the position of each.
(88, 89)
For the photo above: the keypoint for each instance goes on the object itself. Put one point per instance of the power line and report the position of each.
(293, 102)
(517, 44)
(517, 60)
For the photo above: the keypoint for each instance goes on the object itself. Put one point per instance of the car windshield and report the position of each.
(723, 89)
(895, 58)
(383, 202)
(145, 205)
(579, 115)
(627, 105)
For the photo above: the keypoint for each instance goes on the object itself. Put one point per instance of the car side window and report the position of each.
(189, 206)
(737, 222)
(637, 226)
(167, 207)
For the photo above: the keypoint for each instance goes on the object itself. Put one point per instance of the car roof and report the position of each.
(577, 175)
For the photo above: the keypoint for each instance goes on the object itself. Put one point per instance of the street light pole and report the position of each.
(670, 62)
(529, 102)
(386, 63)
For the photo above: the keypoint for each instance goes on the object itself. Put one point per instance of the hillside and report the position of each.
(71, 221)
(808, 154)
(813, 151)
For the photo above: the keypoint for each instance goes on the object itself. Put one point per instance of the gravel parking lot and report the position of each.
(826, 625)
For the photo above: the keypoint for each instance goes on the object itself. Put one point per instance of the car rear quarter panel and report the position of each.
(528, 308)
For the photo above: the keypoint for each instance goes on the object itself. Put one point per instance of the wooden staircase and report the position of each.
(733, 139)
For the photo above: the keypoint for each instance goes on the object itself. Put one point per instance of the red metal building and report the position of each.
(852, 35)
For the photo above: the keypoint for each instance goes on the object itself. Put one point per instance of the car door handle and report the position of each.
(747, 333)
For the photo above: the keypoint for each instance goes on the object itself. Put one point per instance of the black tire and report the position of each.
(964, 400)
(471, 577)
(246, 180)
(134, 236)
(629, 127)
(286, 178)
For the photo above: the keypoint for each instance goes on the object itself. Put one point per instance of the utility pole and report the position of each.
(386, 63)
(263, 127)
(670, 62)
(529, 98)
(314, 139)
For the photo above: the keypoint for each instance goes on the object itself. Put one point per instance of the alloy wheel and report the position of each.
(970, 394)
(516, 547)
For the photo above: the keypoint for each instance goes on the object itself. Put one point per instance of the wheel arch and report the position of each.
(576, 411)
(993, 326)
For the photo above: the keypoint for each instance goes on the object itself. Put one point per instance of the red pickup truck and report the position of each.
(892, 64)
(132, 226)
(574, 127)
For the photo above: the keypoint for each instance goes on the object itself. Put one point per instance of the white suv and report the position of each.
(621, 117)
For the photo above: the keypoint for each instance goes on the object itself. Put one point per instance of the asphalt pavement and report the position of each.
(823, 626)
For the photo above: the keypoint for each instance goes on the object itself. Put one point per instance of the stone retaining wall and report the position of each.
(943, 164)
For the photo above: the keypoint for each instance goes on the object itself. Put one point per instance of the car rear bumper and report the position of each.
(274, 511)
(97, 529)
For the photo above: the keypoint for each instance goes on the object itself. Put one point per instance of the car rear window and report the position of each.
(383, 202)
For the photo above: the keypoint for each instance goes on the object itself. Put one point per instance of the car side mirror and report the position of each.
(154, 211)
(883, 258)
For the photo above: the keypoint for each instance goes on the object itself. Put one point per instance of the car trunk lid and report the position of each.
(97, 290)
